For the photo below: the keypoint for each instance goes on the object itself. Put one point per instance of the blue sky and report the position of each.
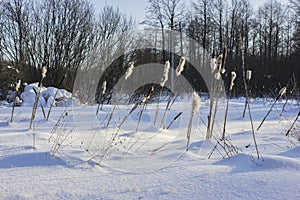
(136, 8)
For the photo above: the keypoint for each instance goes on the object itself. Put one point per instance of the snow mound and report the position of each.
(245, 163)
(48, 96)
(293, 153)
(38, 159)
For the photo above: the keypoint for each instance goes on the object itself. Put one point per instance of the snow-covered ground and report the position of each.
(74, 155)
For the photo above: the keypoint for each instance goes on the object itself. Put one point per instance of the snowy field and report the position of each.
(74, 156)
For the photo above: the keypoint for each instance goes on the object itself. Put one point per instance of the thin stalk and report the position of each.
(244, 74)
(253, 133)
(174, 99)
(277, 98)
(189, 131)
(37, 97)
(287, 133)
(13, 108)
(157, 105)
(165, 112)
(14, 100)
(215, 113)
(110, 116)
(175, 118)
(49, 111)
(195, 108)
(211, 105)
(43, 110)
(140, 116)
(226, 113)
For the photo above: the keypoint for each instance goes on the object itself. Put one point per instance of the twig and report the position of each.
(43, 110)
(37, 96)
(253, 133)
(282, 92)
(175, 118)
(14, 100)
(52, 103)
(287, 133)
(244, 73)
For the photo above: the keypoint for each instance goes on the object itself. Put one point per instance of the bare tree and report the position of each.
(14, 19)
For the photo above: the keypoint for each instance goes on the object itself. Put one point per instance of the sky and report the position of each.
(136, 8)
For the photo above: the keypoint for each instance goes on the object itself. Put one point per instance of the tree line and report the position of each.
(61, 34)
(57, 34)
(269, 35)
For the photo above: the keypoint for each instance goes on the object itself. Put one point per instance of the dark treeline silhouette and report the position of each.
(269, 35)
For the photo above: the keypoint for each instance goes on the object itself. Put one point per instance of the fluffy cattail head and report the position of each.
(144, 99)
(249, 75)
(165, 74)
(213, 65)
(196, 102)
(44, 72)
(233, 77)
(103, 87)
(18, 85)
(282, 91)
(223, 70)
(180, 67)
(219, 60)
(217, 75)
(129, 70)
(10, 67)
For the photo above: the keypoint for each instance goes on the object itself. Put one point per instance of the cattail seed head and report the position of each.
(44, 72)
(144, 99)
(103, 87)
(223, 70)
(249, 75)
(213, 65)
(165, 74)
(233, 77)
(129, 70)
(180, 66)
(282, 91)
(18, 85)
(219, 60)
(218, 75)
(195, 102)
(10, 67)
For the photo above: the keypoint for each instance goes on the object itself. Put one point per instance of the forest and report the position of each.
(61, 35)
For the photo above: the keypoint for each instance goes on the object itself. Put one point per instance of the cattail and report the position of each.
(280, 94)
(217, 75)
(180, 66)
(165, 74)
(282, 91)
(248, 75)
(103, 87)
(213, 65)
(144, 99)
(233, 77)
(195, 102)
(44, 72)
(18, 85)
(195, 108)
(223, 70)
(10, 67)
(219, 60)
(129, 70)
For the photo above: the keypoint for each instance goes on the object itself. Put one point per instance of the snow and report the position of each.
(151, 163)
(60, 97)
